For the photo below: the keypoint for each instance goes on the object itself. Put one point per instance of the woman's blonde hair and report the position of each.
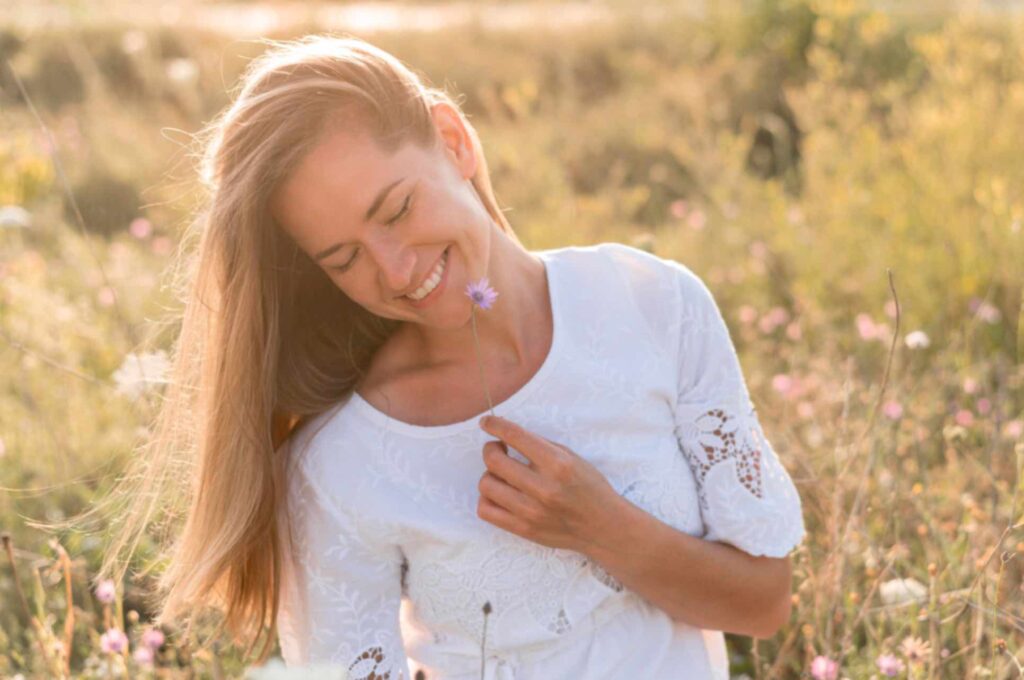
(267, 340)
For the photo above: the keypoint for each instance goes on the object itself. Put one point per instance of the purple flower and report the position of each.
(153, 638)
(890, 665)
(105, 591)
(481, 293)
(824, 668)
(113, 641)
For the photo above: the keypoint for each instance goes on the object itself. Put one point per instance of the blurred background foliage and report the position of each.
(791, 152)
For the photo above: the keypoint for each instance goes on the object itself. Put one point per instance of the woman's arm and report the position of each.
(702, 583)
(561, 500)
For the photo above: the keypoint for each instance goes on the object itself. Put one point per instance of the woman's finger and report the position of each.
(510, 498)
(521, 476)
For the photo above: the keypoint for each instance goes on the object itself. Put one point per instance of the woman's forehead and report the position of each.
(339, 180)
(342, 179)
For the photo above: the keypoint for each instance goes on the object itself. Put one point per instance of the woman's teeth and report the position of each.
(431, 282)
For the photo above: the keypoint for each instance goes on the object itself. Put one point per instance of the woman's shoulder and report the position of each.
(656, 284)
(641, 265)
(317, 440)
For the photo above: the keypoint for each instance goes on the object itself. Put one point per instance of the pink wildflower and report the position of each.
(970, 385)
(1013, 429)
(758, 250)
(747, 314)
(106, 591)
(140, 228)
(678, 209)
(143, 656)
(106, 296)
(481, 293)
(893, 410)
(889, 665)
(777, 316)
(782, 383)
(161, 245)
(114, 641)
(824, 668)
(964, 418)
(696, 220)
(153, 638)
(915, 649)
(865, 327)
(989, 313)
(984, 405)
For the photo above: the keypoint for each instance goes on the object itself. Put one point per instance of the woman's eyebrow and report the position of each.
(370, 212)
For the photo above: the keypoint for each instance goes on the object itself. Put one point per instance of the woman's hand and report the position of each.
(558, 500)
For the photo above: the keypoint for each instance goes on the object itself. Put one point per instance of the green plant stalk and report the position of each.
(933, 626)
(35, 622)
(479, 359)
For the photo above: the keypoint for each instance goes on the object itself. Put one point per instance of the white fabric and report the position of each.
(393, 564)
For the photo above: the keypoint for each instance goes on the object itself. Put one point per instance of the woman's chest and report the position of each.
(457, 561)
(440, 394)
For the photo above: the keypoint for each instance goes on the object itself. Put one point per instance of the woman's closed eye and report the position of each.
(401, 213)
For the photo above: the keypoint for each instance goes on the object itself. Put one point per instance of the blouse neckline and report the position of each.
(367, 410)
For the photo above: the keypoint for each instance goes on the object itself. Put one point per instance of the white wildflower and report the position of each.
(900, 590)
(917, 340)
(988, 313)
(137, 371)
(14, 217)
(134, 41)
(182, 70)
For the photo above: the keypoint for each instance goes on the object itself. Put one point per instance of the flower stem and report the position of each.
(479, 360)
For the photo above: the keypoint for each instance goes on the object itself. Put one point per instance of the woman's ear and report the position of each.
(457, 139)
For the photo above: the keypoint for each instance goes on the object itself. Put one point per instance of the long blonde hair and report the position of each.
(267, 340)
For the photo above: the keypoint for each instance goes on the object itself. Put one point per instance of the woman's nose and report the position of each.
(396, 264)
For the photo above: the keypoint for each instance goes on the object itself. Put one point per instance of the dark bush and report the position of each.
(107, 203)
(121, 72)
(10, 45)
(56, 80)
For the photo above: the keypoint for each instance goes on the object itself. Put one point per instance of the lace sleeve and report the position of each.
(747, 497)
(341, 591)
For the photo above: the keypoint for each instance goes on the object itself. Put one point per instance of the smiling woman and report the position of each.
(273, 331)
(321, 436)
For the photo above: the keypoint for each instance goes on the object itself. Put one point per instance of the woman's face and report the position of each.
(383, 226)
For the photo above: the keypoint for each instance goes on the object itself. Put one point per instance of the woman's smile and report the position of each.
(433, 286)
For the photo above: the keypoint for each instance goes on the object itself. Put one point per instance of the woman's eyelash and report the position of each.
(400, 215)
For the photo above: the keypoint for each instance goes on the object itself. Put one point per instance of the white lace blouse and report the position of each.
(393, 565)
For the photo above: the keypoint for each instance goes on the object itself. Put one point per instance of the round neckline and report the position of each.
(382, 419)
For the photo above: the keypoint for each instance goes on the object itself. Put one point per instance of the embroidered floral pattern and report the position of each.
(746, 496)
(341, 593)
(721, 436)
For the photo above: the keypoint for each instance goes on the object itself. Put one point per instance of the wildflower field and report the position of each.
(848, 180)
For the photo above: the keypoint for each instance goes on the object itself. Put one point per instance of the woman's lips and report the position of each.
(432, 295)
